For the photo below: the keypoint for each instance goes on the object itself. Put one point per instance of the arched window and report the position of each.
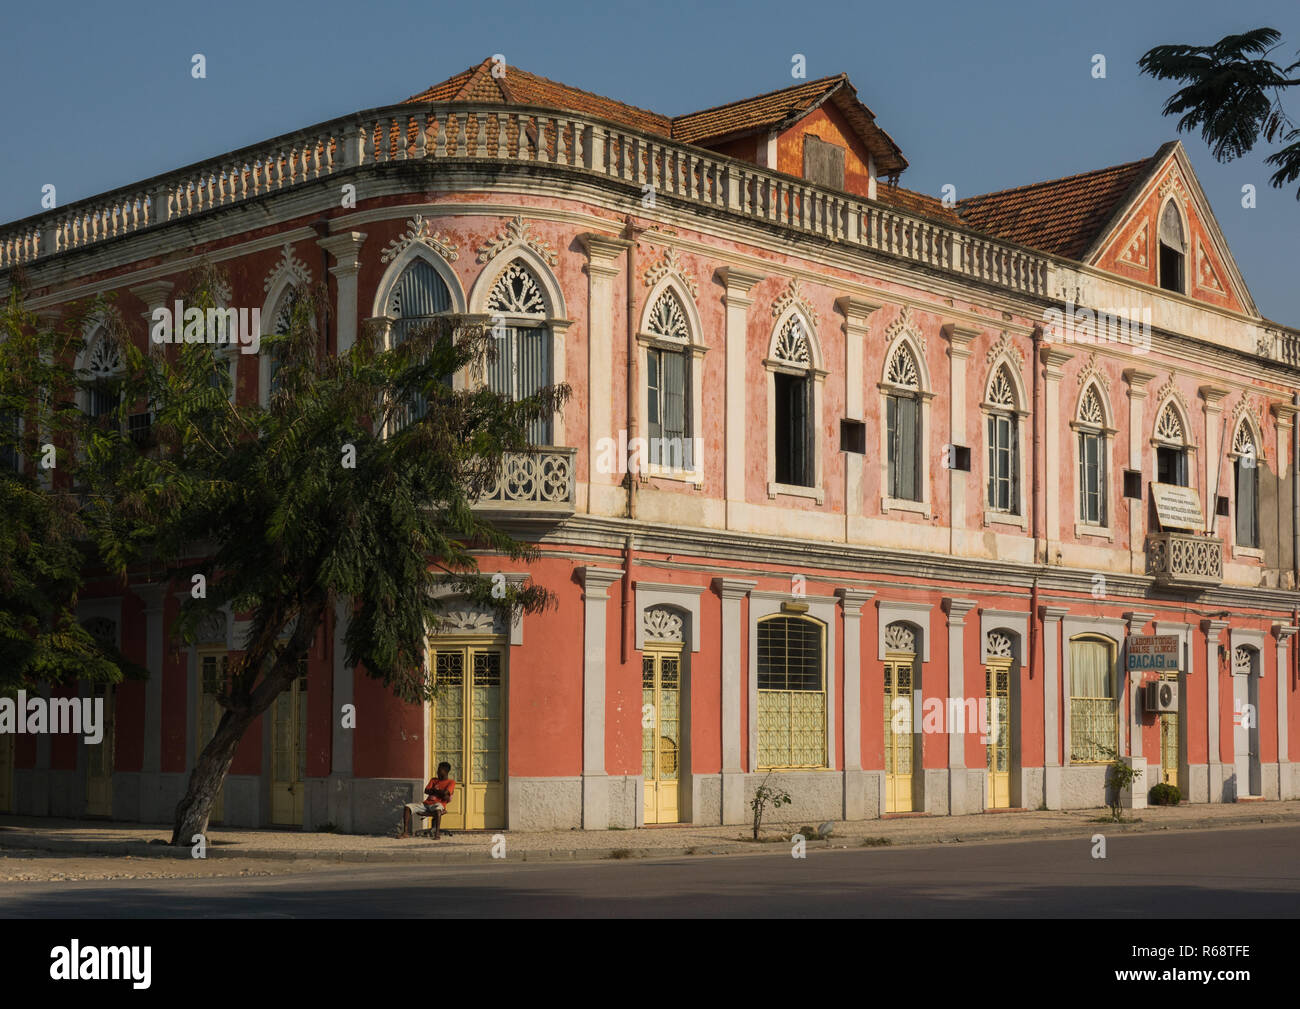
(281, 324)
(103, 369)
(1171, 446)
(1091, 426)
(791, 692)
(1094, 704)
(1173, 249)
(903, 425)
(668, 384)
(1003, 443)
(794, 432)
(419, 295)
(522, 367)
(1245, 470)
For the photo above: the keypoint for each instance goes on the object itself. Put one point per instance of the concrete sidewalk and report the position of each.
(102, 838)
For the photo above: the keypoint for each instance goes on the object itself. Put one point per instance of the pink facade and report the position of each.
(808, 312)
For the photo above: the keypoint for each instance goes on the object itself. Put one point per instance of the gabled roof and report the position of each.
(773, 110)
(519, 87)
(1062, 217)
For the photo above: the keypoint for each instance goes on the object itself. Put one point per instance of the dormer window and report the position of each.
(1173, 249)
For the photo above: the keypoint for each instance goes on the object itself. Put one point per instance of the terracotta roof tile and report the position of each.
(751, 113)
(916, 203)
(1061, 217)
(519, 87)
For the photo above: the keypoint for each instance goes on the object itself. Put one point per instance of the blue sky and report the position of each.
(980, 96)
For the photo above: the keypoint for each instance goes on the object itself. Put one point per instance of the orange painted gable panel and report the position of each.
(1206, 275)
(828, 124)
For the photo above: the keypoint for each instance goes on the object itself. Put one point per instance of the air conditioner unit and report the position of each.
(1162, 696)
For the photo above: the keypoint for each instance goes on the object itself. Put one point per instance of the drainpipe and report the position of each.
(1033, 509)
(1295, 529)
(632, 429)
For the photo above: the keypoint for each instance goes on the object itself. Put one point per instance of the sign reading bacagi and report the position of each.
(1157, 652)
(1178, 507)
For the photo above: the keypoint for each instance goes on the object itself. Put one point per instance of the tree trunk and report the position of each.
(210, 770)
(208, 776)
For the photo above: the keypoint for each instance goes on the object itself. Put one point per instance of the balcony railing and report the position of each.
(1185, 560)
(444, 131)
(535, 483)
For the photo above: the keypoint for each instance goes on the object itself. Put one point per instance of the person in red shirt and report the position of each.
(436, 796)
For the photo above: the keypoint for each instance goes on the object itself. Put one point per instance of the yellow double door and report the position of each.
(661, 689)
(6, 772)
(99, 757)
(289, 754)
(997, 689)
(899, 738)
(213, 680)
(466, 731)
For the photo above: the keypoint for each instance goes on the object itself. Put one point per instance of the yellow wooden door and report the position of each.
(997, 687)
(661, 733)
(466, 732)
(6, 772)
(99, 758)
(898, 738)
(1169, 748)
(213, 672)
(289, 754)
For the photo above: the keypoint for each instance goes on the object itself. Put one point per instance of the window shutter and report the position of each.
(907, 482)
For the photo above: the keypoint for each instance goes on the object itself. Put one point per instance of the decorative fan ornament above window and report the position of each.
(998, 646)
(668, 319)
(900, 638)
(792, 343)
(902, 370)
(1170, 426)
(517, 292)
(1090, 411)
(1001, 391)
(663, 625)
(105, 358)
(1243, 442)
(1241, 660)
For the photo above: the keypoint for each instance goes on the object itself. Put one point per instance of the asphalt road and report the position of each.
(1252, 872)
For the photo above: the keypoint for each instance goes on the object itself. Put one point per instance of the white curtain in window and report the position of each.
(1090, 673)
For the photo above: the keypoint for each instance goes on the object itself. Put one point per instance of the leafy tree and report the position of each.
(1233, 94)
(337, 491)
(44, 545)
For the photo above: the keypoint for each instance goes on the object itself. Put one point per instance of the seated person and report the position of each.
(436, 796)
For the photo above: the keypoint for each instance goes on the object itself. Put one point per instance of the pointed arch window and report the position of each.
(1091, 427)
(903, 425)
(668, 384)
(1245, 469)
(419, 296)
(1171, 446)
(1003, 443)
(104, 376)
(522, 364)
(793, 387)
(1173, 249)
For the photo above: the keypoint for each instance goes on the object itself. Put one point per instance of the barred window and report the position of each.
(791, 693)
(1094, 708)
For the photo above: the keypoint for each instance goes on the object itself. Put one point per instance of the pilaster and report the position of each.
(595, 783)
(732, 591)
(1137, 380)
(738, 284)
(1051, 617)
(958, 797)
(1053, 360)
(959, 341)
(603, 254)
(345, 248)
(1212, 629)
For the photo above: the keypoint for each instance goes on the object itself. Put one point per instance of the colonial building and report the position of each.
(896, 463)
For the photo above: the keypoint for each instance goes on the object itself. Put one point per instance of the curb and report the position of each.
(10, 839)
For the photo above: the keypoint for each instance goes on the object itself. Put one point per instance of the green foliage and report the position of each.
(764, 796)
(1119, 778)
(1233, 95)
(44, 543)
(1164, 795)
